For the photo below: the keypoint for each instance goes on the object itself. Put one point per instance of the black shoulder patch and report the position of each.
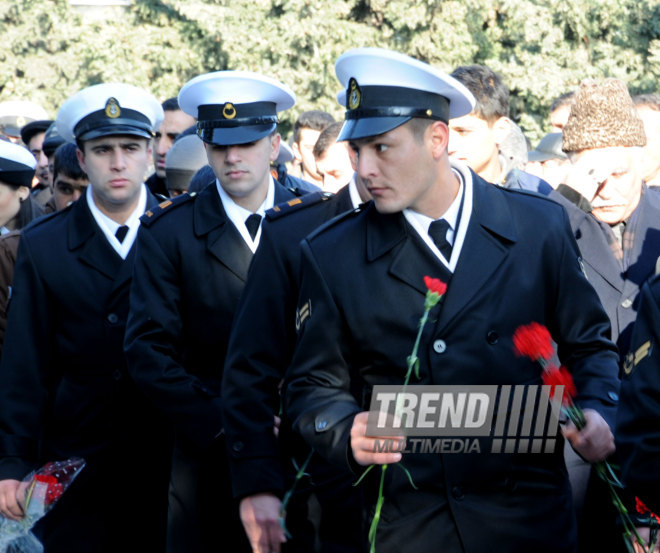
(296, 204)
(164, 207)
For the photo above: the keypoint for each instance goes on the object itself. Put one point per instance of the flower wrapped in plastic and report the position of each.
(42, 489)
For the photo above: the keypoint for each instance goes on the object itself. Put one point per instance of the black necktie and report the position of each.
(438, 232)
(252, 223)
(121, 233)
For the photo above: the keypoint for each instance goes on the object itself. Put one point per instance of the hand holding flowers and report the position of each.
(37, 495)
(588, 432)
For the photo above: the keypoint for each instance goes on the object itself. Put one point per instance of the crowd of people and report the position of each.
(207, 337)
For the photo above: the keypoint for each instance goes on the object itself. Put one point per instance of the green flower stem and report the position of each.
(607, 474)
(289, 494)
(430, 301)
(379, 505)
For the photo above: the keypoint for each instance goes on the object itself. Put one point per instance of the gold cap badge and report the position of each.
(229, 111)
(112, 108)
(354, 94)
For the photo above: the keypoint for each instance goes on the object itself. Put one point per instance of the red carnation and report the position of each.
(435, 285)
(533, 341)
(643, 509)
(45, 478)
(554, 376)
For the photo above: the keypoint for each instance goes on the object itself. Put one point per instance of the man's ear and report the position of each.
(439, 136)
(501, 128)
(297, 156)
(23, 193)
(275, 146)
(81, 159)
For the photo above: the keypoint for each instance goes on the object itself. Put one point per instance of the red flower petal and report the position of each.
(554, 376)
(533, 341)
(435, 285)
(643, 509)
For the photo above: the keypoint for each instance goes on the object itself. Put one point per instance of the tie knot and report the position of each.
(252, 223)
(438, 233)
(121, 232)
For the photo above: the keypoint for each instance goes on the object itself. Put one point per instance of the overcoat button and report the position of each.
(116, 374)
(613, 396)
(320, 425)
(237, 446)
(439, 346)
(113, 318)
(457, 493)
(492, 337)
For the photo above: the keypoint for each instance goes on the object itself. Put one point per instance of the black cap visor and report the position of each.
(228, 136)
(15, 174)
(369, 126)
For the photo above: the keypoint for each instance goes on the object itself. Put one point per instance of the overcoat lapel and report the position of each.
(605, 265)
(85, 237)
(490, 233)
(412, 260)
(223, 240)
(645, 248)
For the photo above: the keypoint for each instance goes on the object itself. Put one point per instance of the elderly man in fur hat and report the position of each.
(615, 218)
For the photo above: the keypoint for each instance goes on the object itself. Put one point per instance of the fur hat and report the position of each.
(602, 115)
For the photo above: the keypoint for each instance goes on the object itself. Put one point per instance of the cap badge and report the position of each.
(229, 111)
(20, 121)
(112, 108)
(354, 94)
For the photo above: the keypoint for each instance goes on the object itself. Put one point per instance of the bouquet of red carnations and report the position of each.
(42, 489)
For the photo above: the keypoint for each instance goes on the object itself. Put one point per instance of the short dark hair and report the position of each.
(647, 100)
(326, 139)
(171, 104)
(65, 161)
(488, 89)
(418, 126)
(565, 99)
(314, 119)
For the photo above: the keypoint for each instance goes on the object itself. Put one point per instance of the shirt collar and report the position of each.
(109, 227)
(353, 193)
(238, 214)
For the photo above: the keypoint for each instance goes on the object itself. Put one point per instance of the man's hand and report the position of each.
(644, 533)
(10, 505)
(595, 441)
(260, 515)
(363, 446)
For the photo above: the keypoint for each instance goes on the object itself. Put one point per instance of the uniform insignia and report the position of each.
(303, 313)
(296, 204)
(634, 359)
(354, 94)
(628, 363)
(584, 271)
(151, 215)
(112, 108)
(20, 121)
(229, 111)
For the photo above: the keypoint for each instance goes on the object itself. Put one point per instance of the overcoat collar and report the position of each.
(223, 240)
(490, 233)
(85, 237)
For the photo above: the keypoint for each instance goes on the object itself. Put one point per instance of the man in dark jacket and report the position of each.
(64, 387)
(476, 137)
(261, 464)
(432, 217)
(615, 221)
(194, 254)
